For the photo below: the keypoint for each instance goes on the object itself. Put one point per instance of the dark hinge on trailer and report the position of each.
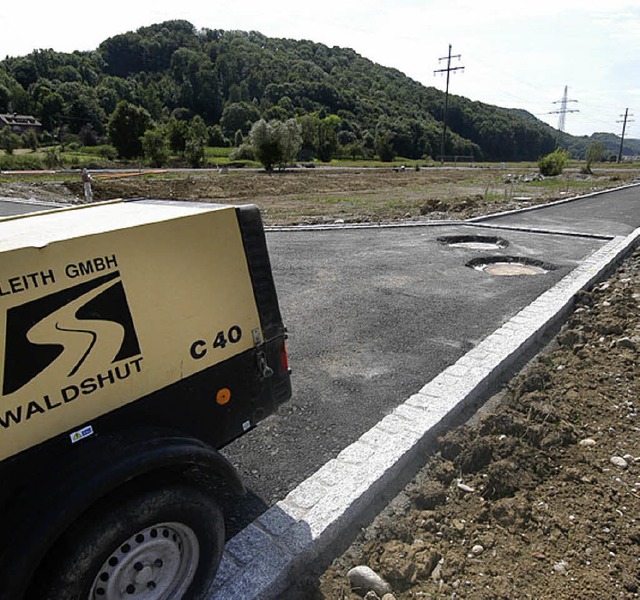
(263, 366)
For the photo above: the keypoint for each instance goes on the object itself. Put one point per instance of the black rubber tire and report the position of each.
(75, 561)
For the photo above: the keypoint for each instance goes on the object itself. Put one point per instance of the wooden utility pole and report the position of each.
(624, 127)
(448, 71)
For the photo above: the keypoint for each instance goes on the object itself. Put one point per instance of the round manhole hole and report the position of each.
(510, 266)
(474, 242)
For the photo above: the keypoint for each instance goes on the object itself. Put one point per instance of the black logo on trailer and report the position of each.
(72, 327)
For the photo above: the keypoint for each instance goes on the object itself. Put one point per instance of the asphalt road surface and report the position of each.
(10, 207)
(374, 314)
(613, 213)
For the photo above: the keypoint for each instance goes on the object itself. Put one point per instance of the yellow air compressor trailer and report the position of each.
(140, 337)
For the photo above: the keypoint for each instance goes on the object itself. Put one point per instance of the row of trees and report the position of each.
(272, 142)
(231, 79)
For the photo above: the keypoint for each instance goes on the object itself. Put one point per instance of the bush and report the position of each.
(53, 157)
(108, 152)
(554, 163)
(244, 152)
(20, 162)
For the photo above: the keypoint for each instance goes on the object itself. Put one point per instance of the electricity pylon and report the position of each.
(563, 110)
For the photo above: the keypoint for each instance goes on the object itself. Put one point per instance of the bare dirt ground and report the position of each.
(312, 196)
(539, 497)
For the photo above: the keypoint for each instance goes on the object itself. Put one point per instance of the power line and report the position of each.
(448, 71)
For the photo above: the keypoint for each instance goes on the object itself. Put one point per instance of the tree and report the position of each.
(155, 146)
(127, 125)
(198, 129)
(51, 110)
(384, 146)
(328, 138)
(194, 152)
(113, 89)
(30, 140)
(9, 141)
(177, 134)
(20, 100)
(595, 152)
(88, 136)
(290, 140)
(216, 137)
(309, 129)
(239, 115)
(275, 142)
(196, 142)
(5, 97)
(123, 54)
(354, 150)
(149, 97)
(81, 106)
(263, 140)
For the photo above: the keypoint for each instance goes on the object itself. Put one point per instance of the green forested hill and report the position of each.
(232, 78)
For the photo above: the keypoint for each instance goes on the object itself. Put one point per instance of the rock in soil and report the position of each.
(363, 580)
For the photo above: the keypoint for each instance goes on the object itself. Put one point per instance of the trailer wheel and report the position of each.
(159, 544)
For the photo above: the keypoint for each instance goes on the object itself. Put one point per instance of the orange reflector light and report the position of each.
(285, 357)
(223, 396)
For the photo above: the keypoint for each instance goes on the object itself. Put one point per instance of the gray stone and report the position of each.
(618, 461)
(561, 567)
(587, 442)
(363, 579)
(626, 342)
(465, 488)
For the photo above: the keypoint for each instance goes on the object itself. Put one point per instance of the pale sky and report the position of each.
(515, 54)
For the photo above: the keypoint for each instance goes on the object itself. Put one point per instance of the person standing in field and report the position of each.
(86, 183)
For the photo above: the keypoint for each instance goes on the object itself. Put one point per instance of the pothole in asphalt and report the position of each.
(509, 266)
(474, 242)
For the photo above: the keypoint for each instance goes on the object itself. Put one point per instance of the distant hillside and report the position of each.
(612, 143)
(233, 78)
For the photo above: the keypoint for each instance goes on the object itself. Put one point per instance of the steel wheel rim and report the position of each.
(156, 563)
